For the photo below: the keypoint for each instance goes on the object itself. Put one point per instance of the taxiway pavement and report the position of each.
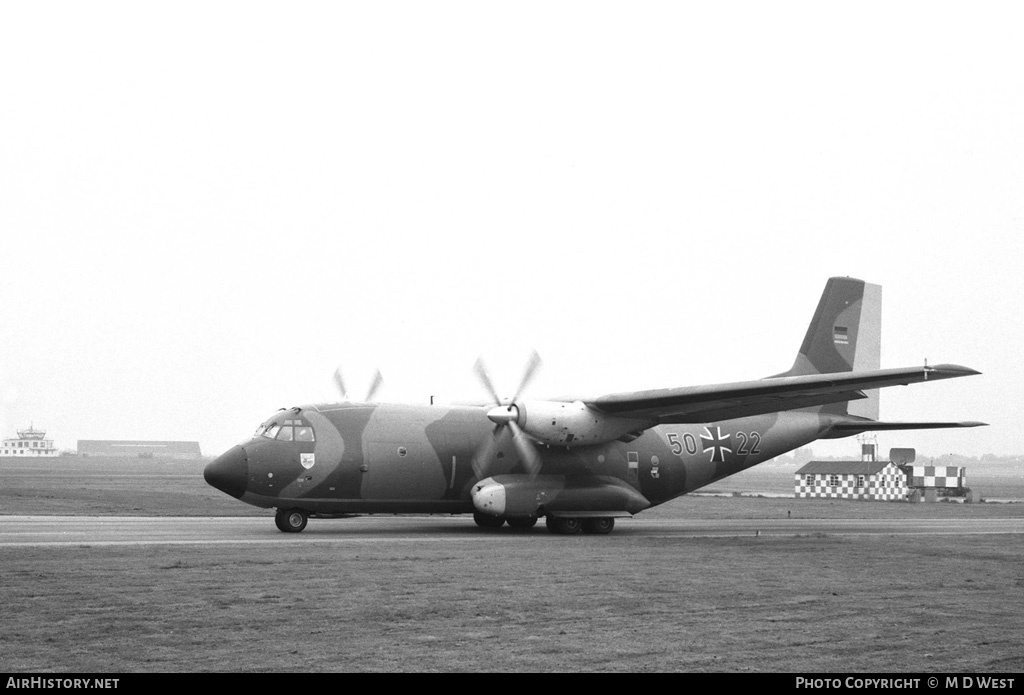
(65, 531)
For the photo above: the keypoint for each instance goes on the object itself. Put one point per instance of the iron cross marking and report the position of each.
(717, 444)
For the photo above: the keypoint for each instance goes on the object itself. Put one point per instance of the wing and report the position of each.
(695, 404)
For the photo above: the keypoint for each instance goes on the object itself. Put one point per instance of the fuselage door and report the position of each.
(403, 470)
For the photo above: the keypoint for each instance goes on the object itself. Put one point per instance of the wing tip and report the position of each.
(952, 370)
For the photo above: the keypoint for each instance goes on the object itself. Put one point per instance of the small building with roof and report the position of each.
(895, 479)
(852, 480)
(930, 482)
(867, 479)
(30, 442)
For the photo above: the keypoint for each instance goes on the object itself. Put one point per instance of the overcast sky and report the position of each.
(206, 207)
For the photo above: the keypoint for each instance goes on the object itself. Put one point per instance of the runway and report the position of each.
(64, 531)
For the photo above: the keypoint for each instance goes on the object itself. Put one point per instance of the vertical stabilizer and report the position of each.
(845, 335)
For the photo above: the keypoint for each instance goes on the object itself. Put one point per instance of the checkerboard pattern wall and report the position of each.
(887, 485)
(937, 476)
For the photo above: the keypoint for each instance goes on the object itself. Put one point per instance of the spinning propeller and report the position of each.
(505, 416)
(375, 385)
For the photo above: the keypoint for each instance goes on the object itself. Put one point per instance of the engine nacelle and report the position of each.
(572, 423)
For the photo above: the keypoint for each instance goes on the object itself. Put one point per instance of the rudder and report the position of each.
(844, 335)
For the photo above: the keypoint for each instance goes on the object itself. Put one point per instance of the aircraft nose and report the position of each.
(229, 472)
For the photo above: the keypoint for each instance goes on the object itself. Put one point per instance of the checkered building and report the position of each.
(852, 480)
(936, 476)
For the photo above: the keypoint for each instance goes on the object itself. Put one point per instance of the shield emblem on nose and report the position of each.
(307, 460)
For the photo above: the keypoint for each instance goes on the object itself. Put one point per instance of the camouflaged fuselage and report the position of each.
(420, 459)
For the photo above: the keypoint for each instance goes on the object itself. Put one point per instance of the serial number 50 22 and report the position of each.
(747, 443)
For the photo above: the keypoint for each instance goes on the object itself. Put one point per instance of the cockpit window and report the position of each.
(290, 431)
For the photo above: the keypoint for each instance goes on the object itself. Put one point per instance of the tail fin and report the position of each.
(845, 335)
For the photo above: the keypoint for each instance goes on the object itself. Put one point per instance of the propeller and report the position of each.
(375, 385)
(505, 416)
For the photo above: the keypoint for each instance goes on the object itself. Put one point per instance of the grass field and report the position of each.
(536, 602)
(94, 485)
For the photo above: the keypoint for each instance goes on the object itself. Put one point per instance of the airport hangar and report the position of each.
(139, 448)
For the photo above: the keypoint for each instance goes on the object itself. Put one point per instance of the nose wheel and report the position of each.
(291, 520)
(488, 521)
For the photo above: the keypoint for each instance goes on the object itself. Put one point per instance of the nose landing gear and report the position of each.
(291, 520)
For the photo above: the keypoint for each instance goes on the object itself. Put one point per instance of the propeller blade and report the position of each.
(340, 383)
(529, 371)
(484, 456)
(527, 450)
(481, 372)
(374, 386)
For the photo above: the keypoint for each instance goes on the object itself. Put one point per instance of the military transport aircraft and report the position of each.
(578, 463)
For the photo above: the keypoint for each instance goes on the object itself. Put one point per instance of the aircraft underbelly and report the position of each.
(327, 506)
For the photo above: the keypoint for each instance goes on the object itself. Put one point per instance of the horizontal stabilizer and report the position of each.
(852, 426)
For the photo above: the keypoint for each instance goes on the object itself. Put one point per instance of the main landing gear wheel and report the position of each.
(488, 521)
(565, 525)
(601, 525)
(291, 520)
(522, 522)
(571, 525)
